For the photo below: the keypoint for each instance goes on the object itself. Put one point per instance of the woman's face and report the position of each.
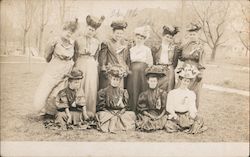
(185, 82)
(74, 84)
(167, 38)
(118, 34)
(152, 82)
(115, 81)
(90, 31)
(139, 39)
(193, 36)
(67, 34)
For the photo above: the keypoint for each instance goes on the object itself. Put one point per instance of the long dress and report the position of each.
(193, 53)
(87, 62)
(182, 103)
(112, 52)
(154, 102)
(167, 56)
(111, 100)
(141, 58)
(61, 59)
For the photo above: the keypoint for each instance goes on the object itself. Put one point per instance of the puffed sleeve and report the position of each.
(125, 98)
(142, 102)
(80, 98)
(170, 103)
(61, 101)
(201, 59)
(102, 59)
(164, 99)
(76, 51)
(101, 100)
(177, 55)
(192, 105)
(49, 50)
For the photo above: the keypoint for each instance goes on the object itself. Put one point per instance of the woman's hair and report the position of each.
(114, 29)
(141, 36)
(152, 76)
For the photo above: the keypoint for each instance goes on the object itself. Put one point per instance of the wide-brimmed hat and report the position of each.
(188, 71)
(119, 24)
(70, 25)
(171, 30)
(156, 71)
(75, 74)
(94, 21)
(193, 27)
(116, 71)
(143, 31)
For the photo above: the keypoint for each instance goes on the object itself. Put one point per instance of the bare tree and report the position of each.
(212, 19)
(62, 4)
(29, 8)
(44, 20)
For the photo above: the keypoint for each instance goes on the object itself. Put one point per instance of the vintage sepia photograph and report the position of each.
(124, 78)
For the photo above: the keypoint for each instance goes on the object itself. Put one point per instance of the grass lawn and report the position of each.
(226, 115)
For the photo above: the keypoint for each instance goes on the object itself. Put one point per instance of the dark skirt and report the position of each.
(167, 82)
(136, 83)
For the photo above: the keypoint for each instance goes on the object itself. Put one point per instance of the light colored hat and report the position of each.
(143, 31)
(188, 71)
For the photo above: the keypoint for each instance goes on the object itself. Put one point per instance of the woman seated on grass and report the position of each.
(112, 104)
(181, 105)
(71, 104)
(152, 103)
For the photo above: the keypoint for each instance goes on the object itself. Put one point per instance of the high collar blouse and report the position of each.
(141, 54)
(88, 45)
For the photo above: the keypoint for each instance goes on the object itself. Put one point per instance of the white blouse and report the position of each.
(87, 45)
(181, 100)
(141, 54)
(164, 54)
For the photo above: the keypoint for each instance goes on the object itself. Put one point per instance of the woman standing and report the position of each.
(60, 54)
(113, 51)
(87, 61)
(193, 53)
(167, 56)
(141, 58)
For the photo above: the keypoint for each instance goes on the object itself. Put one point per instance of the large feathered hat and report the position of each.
(119, 24)
(71, 25)
(94, 21)
(156, 71)
(75, 74)
(188, 71)
(170, 30)
(116, 71)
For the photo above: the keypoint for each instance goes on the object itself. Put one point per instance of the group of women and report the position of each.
(128, 85)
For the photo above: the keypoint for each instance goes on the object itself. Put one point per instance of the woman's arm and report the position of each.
(49, 50)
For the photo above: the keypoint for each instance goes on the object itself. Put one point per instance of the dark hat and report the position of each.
(155, 70)
(192, 27)
(119, 24)
(116, 71)
(94, 22)
(170, 30)
(75, 74)
(71, 25)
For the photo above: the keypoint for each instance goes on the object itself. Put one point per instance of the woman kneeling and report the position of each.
(181, 105)
(152, 103)
(112, 104)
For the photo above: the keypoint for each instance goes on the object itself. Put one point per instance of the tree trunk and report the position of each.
(40, 41)
(214, 50)
(24, 42)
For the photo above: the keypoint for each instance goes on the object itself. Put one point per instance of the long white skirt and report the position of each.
(89, 66)
(52, 76)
